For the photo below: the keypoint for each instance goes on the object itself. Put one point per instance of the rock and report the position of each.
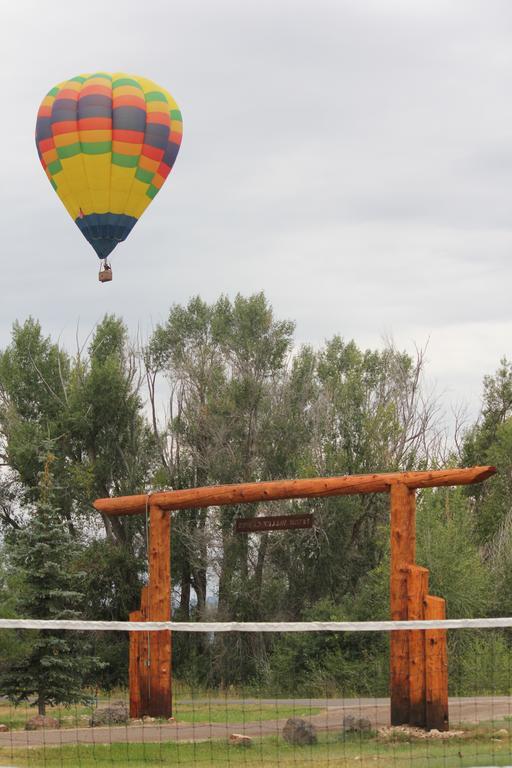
(435, 734)
(411, 733)
(115, 714)
(239, 740)
(400, 733)
(298, 731)
(147, 720)
(41, 721)
(353, 724)
(348, 722)
(3, 728)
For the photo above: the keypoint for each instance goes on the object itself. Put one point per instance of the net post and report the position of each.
(436, 667)
(403, 553)
(417, 591)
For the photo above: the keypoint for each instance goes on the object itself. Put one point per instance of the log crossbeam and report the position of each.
(316, 487)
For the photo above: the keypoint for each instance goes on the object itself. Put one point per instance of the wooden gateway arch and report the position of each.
(418, 665)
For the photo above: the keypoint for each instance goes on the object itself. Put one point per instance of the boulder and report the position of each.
(299, 731)
(115, 714)
(353, 724)
(39, 722)
(3, 728)
(411, 733)
(239, 740)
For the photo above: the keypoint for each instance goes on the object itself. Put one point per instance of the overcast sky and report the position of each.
(352, 159)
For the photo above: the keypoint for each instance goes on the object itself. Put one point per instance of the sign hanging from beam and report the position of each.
(274, 523)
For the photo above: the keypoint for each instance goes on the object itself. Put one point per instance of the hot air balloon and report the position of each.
(107, 143)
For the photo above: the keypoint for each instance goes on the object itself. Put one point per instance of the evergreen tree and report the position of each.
(56, 665)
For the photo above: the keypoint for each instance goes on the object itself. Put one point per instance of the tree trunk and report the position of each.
(41, 703)
(258, 574)
(226, 574)
(184, 607)
(200, 572)
(243, 555)
(118, 530)
(200, 587)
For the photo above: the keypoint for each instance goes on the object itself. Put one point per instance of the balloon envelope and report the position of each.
(107, 143)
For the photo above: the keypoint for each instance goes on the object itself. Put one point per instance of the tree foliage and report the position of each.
(221, 394)
(54, 666)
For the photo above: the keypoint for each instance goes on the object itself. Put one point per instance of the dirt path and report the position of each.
(467, 710)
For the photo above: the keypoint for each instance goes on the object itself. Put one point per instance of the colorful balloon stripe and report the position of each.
(107, 143)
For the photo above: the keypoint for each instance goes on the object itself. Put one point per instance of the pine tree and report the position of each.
(57, 663)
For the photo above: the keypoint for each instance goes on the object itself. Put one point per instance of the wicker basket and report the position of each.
(105, 275)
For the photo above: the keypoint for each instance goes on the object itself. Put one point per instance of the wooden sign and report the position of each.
(275, 523)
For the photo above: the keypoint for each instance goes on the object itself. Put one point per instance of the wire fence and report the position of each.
(263, 694)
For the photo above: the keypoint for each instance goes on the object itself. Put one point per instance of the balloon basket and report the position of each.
(105, 275)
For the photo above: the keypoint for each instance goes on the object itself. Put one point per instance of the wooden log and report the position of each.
(245, 493)
(138, 664)
(436, 661)
(159, 609)
(403, 553)
(134, 676)
(417, 591)
(143, 651)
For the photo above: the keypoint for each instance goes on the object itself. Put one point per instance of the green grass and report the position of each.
(69, 717)
(471, 750)
(219, 712)
(215, 711)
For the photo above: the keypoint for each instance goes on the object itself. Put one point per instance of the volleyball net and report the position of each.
(257, 693)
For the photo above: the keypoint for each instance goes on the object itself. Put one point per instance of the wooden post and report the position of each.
(143, 651)
(417, 591)
(403, 552)
(138, 669)
(134, 680)
(436, 667)
(159, 609)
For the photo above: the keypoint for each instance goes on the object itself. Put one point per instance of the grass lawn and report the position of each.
(219, 712)
(216, 710)
(474, 749)
(16, 717)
